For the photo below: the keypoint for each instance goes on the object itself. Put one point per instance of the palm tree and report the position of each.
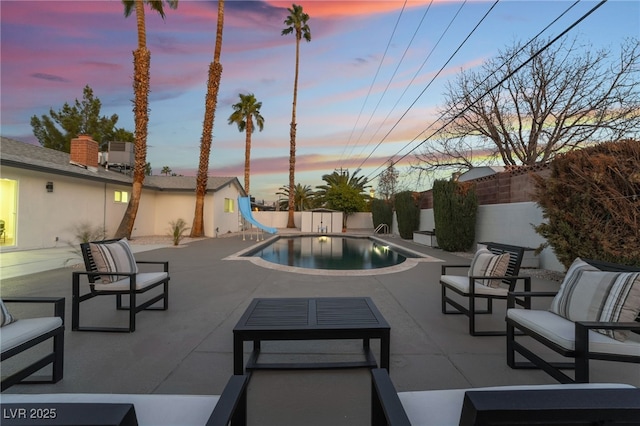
(343, 192)
(166, 170)
(244, 112)
(211, 102)
(296, 23)
(303, 196)
(141, 65)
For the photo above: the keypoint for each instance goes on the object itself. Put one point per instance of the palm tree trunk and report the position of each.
(211, 102)
(141, 66)
(247, 154)
(213, 86)
(292, 135)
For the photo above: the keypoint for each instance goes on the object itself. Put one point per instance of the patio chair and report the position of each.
(559, 404)
(150, 409)
(594, 315)
(18, 336)
(111, 270)
(492, 274)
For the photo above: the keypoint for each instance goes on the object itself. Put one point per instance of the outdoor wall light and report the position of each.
(49, 186)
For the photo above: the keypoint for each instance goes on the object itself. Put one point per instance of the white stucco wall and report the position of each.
(223, 221)
(42, 216)
(362, 220)
(508, 224)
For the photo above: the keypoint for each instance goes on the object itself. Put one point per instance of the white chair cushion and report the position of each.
(443, 407)
(562, 332)
(151, 410)
(24, 330)
(462, 283)
(143, 280)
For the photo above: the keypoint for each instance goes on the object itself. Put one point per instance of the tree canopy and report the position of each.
(535, 100)
(344, 192)
(56, 130)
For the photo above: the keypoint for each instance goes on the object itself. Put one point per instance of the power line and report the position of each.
(536, 54)
(431, 81)
(375, 77)
(416, 74)
(391, 79)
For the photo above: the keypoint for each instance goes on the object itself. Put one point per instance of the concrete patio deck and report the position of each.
(188, 349)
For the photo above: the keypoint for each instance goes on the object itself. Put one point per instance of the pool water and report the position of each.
(326, 252)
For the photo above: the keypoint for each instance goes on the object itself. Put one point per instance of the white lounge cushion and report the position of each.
(562, 332)
(443, 407)
(462, 283)
(151, 410)
(143, 280)
(24, 330)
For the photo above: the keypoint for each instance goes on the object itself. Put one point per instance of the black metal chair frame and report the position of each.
(386, 407)
(232, 405)
(92, 275)
(511, 278)
(581, 353)
(55, 357)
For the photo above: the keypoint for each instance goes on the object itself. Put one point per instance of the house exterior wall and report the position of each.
(223, 221)
(164, 207)
(42, 216)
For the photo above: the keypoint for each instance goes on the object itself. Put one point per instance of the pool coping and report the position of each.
(409, 263)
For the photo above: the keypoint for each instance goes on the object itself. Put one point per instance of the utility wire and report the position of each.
(431, 81)
(390, 80)
(542, 49)
(374, 78)
(416, 74)
(513, 56)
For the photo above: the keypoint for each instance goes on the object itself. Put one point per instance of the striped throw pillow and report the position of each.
(113, 257)
(593, 295)
(569, 285)
(487, 264)
(5, 317)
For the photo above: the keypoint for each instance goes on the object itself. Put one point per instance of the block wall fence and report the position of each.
(506, 211)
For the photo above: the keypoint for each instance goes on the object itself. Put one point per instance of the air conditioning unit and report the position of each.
(121, 154)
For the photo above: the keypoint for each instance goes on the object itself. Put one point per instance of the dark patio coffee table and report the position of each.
(310, 319)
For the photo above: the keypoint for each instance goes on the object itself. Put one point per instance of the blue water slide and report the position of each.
(245, 209)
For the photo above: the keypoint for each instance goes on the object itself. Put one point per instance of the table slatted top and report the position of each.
(313, 313)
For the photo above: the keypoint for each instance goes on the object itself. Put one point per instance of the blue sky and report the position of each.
(365, 96)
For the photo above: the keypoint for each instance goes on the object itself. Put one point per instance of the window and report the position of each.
(228, 205)
(121, 196)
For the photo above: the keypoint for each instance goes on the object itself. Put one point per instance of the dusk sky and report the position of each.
(366, 92)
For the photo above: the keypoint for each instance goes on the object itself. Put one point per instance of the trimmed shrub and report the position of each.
(407, 213)
(591, 203)
(381, 212)
(455, 206)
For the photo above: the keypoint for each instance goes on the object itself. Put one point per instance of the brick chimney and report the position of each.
(84, 151)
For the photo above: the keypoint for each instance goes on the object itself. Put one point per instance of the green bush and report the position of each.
(455, 205)
(407, 213)
(381, 212)
(591, 203)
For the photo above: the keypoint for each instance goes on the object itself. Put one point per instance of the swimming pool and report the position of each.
(331, 253)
